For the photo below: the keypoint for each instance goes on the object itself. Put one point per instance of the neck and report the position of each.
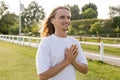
(60, 34)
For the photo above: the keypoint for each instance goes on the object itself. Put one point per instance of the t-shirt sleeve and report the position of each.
(81, 56)
(42, 57)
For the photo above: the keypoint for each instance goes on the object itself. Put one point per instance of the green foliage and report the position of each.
(75, 12)
(89, 11)
(83, 26)
(33, 13)
(3, 8)
(89, 14)
(96, 27)
(114, 11)
(13, 29)
(81, 21)
(92, 6)
(116, 21)
(117, 29)
(82, 29)
(7, 21)
(26, 30)
(35, 29)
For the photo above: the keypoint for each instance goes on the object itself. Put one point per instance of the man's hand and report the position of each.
(71, 54)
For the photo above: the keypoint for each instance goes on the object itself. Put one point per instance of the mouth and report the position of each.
(66, 24)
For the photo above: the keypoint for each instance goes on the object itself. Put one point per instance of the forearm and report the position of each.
(53, 70)
(83, 68)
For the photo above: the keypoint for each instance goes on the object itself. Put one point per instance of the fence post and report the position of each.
(23, 39)
(29, 39)
(0, 37)
(80, 38)
(12, 39)
(8, 38)
(37, 42)
(5, 37)
(101, 51)
(17, 39)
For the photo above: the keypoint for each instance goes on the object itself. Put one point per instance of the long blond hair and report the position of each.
(48, 28)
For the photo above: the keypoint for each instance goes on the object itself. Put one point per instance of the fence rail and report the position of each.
(34, 42)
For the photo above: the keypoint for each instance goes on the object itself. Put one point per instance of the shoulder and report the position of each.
(45, 40)
(73, 39)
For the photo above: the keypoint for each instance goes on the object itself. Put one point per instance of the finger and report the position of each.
(76, 54)
(75, 50)
(73, 47)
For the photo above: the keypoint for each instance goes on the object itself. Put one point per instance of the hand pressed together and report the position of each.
(71, 54)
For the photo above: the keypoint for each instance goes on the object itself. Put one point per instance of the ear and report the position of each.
(52, 20)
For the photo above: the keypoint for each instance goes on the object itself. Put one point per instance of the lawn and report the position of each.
(18, 63)
(95, 49)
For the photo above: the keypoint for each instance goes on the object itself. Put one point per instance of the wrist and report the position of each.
(67, 62)
(73, 63)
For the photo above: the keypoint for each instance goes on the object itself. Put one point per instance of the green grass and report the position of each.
(18, 63)
(100, 71)
(109, 41)
(107, 50)
(95, 49)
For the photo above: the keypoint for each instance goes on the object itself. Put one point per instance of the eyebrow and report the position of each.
(64, 16)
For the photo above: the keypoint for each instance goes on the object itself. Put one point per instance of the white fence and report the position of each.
(21, 40)
(34, 42)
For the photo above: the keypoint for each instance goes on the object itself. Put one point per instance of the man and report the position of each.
(58, 55)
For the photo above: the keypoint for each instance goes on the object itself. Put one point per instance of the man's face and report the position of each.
(61, 20)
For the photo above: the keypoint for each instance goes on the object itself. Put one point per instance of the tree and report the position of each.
(114, 11)
(117, 30)
(89, 14)
(116, 21)
(3, 8)
(75, 12)
(96, 28)
(92, 6)
(33, 13)
(82, 29)
(13, 29)
(8, 20)
(35, 29)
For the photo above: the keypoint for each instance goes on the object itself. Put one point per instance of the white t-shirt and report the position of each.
(51, 51)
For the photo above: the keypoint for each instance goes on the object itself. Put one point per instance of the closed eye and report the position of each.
(68, 17)
(63, 17)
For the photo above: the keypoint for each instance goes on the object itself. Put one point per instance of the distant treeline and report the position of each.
(97, 27)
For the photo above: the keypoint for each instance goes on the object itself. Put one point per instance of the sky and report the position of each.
(48, 5)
